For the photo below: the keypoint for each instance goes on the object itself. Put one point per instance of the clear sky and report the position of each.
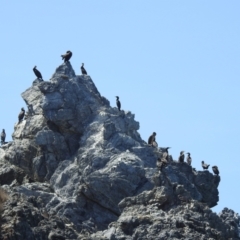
(174, 64)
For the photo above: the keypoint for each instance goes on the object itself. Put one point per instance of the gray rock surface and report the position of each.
(188, 220)
(78, 169)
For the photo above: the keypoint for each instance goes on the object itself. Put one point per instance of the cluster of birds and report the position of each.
(20, 118)
(66, 57)
(151, 140)
(164, 160)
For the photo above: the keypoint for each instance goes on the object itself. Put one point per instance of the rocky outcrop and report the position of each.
(188, 220)
(28, 219)
(78, 169)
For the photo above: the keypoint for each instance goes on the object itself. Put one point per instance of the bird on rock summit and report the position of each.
(67, 56)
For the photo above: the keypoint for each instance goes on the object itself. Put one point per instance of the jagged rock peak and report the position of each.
(64, 70)
(78, 169)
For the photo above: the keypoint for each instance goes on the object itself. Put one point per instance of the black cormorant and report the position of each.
(83, 70)
(118, 103)
(189, 159)
(181, 157)
(67, 56)
(165, 152)
(152, 139)
(21, 115)
(161, 162)
(166, 149)
(3, 136)
(205, 165)
(215, 170)
(37, 73)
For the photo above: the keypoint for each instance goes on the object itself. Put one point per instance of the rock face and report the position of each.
(78, 169)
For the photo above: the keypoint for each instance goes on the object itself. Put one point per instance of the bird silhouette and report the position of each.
(67, 56)
(189, 159)
(83, 70)
(205, 165)
(181, 157)
(37, 73)
(118, 103)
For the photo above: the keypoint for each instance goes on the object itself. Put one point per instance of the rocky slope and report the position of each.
(78, 169)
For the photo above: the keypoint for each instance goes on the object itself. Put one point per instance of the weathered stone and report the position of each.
(78, 169)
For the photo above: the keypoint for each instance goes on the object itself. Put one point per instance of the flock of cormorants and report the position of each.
(38, 74)
(151, 140)
(164, 160)
(66, 57)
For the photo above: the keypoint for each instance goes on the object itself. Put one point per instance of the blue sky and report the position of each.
(174, 64)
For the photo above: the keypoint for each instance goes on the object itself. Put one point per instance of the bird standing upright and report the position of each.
(37, 73)
(152, 140)
(3, 136)
(189, 159)
(181, 157)
(83, 70)
(215, 170)
(163, 161)
(21, 115)
(165, 149)
(205, 165)
(118, 103)
(67, 56)
(165, 152)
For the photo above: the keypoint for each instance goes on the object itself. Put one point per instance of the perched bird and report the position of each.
(3, 136)
(118, 103)
(21, 115)
(83, 70)
(159, 164)
(37, 73)
(166, 149)
(162, 162)
(189, 159)
(165, 152)
(215, 170)
(205, 165)
(164, 158)
(67, 56)
(181, 157)
(152, 139)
